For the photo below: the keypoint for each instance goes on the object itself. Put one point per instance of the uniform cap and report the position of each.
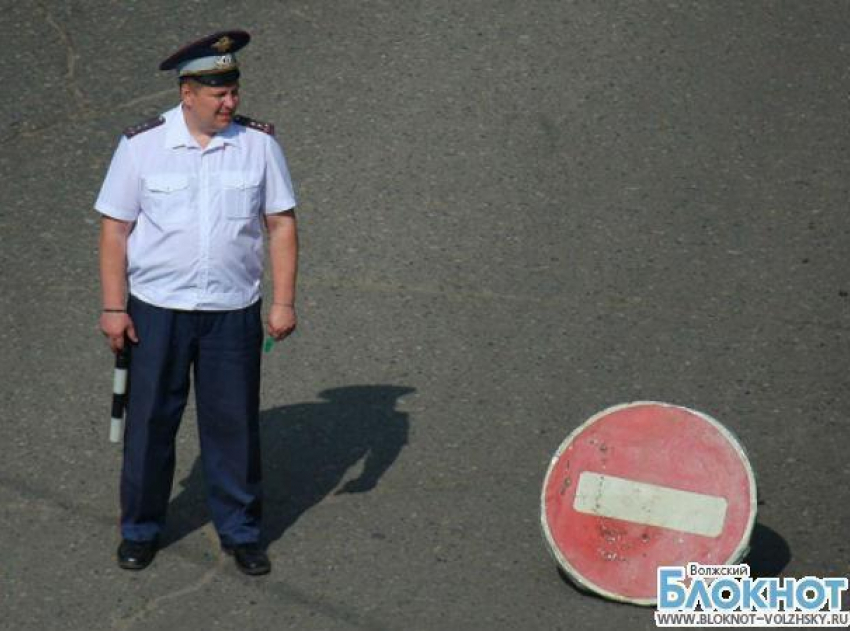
(210, 59)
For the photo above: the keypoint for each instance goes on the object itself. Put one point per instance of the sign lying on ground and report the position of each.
(644, 485)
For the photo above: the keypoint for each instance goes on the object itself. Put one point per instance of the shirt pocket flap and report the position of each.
(166, 183)
(240, 179)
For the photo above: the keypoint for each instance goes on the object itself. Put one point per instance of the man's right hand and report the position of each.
(115, 326)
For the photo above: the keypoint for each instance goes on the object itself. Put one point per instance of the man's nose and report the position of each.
(230, 101)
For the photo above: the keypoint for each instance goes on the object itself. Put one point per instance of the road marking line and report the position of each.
(650, 504)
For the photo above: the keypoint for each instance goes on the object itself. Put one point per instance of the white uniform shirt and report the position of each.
(197, 243)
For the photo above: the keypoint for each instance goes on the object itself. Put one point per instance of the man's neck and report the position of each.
(203, 136)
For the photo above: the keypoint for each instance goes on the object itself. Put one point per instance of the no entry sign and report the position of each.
(642, 485)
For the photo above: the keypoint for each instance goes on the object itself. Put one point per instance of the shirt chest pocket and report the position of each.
(240, 194)
(167, 197)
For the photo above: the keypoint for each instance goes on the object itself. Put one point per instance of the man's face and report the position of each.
(211, 108)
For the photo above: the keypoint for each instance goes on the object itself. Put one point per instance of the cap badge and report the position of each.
(223, 44)
(225, 61)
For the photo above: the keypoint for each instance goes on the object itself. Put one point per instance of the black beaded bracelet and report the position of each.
(115, 311)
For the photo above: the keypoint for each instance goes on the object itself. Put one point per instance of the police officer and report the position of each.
(183, 206)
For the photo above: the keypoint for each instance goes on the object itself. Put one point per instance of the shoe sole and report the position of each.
(246, 570)
(133, 566)
(257, 572)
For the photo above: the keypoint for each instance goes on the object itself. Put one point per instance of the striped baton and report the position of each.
(119, 393)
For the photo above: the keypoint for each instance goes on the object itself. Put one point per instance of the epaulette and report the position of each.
(266, 128)
(132, 130)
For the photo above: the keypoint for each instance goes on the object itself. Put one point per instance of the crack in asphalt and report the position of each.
(80, 116)
(70, 55)
(151, 605)
(84, 110)
(146, 97)
(277, 591)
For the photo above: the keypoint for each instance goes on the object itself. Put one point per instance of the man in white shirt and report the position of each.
(181, 256)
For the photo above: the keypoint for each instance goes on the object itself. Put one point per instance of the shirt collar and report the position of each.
(229, 135)
(177, 133)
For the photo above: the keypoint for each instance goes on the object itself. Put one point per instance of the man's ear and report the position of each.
(186, 90)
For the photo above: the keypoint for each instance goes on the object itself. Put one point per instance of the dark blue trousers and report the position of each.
(222, 351)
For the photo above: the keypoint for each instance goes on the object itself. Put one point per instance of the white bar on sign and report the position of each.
(650, 504)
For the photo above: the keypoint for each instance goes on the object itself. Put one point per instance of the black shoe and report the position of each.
(250, 558)
(136, 555)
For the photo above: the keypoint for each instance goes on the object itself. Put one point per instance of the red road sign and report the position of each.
(642, 485)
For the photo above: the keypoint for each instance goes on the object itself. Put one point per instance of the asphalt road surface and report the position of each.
(513, 215)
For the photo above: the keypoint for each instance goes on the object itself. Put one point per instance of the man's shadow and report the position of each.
(308, 448)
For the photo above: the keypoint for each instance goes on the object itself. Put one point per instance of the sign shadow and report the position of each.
(769, 553)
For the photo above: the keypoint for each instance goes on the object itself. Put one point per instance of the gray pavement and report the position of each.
(513, 215)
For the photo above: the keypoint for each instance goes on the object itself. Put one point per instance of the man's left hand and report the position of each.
(281, 321)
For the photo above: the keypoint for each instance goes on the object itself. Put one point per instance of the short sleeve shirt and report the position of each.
(197, 242)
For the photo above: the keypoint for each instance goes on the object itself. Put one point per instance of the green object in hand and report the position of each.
(269, 345)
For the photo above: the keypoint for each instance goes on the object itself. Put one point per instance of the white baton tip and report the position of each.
(116, 428)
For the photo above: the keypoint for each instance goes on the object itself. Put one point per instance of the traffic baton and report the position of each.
(119, 393)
